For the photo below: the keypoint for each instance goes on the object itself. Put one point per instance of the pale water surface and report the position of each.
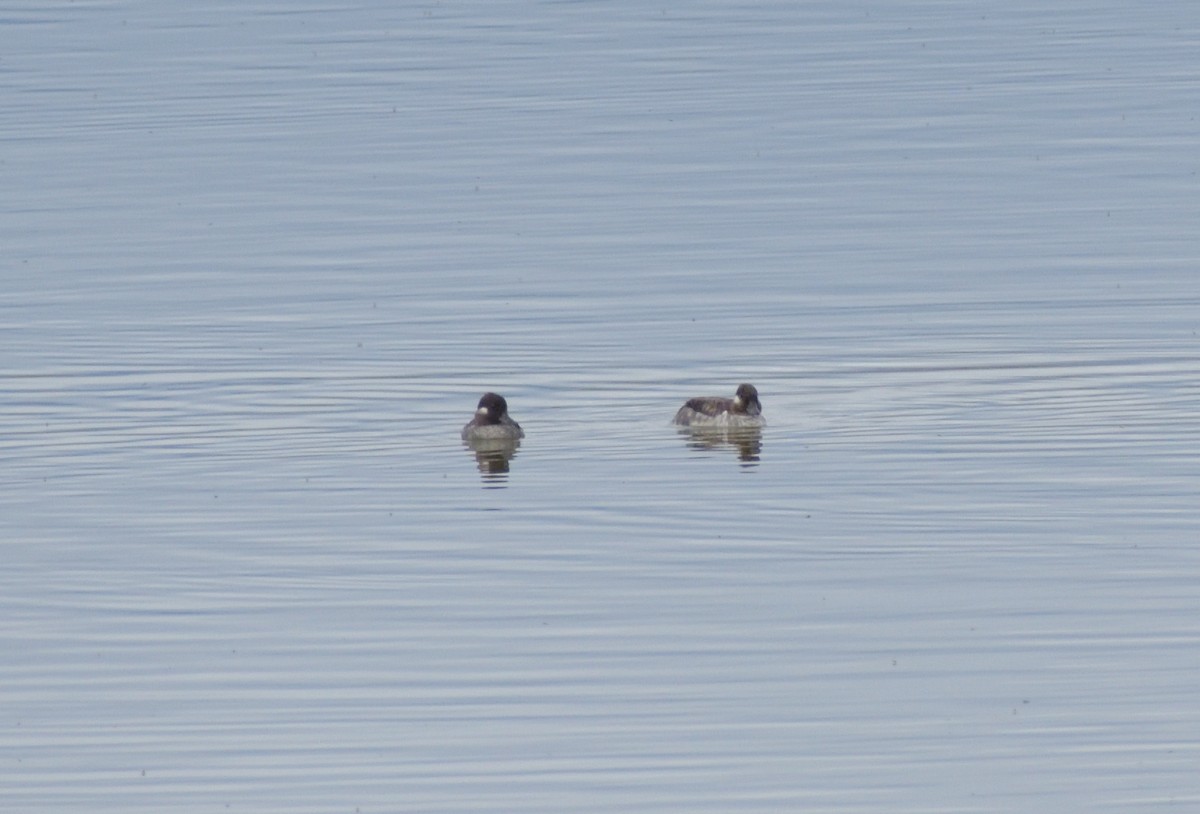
(261, 259)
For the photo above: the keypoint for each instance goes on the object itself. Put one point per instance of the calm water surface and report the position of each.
(262, 259)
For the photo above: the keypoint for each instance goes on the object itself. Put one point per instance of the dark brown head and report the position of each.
(746, 400)
(492, 408)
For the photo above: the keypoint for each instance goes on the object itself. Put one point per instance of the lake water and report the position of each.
(261, 260)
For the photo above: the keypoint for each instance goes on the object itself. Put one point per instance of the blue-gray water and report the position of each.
(261, 259)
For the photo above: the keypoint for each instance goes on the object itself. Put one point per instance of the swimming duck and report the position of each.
(743, 410)
(492, 422)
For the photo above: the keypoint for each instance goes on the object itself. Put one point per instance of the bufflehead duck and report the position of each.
(491, 421)
(743, 410)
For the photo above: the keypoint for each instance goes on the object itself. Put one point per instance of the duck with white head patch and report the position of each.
(742, 411)
(492, 422)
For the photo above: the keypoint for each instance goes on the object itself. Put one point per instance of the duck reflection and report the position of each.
(492, 457)
(746, 442)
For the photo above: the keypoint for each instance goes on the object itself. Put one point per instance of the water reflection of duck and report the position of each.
(492, 422)
(743, 411)
(747, 441)
(492, 456)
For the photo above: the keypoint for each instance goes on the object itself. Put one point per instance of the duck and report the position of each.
(491, 421)
(742, 411)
